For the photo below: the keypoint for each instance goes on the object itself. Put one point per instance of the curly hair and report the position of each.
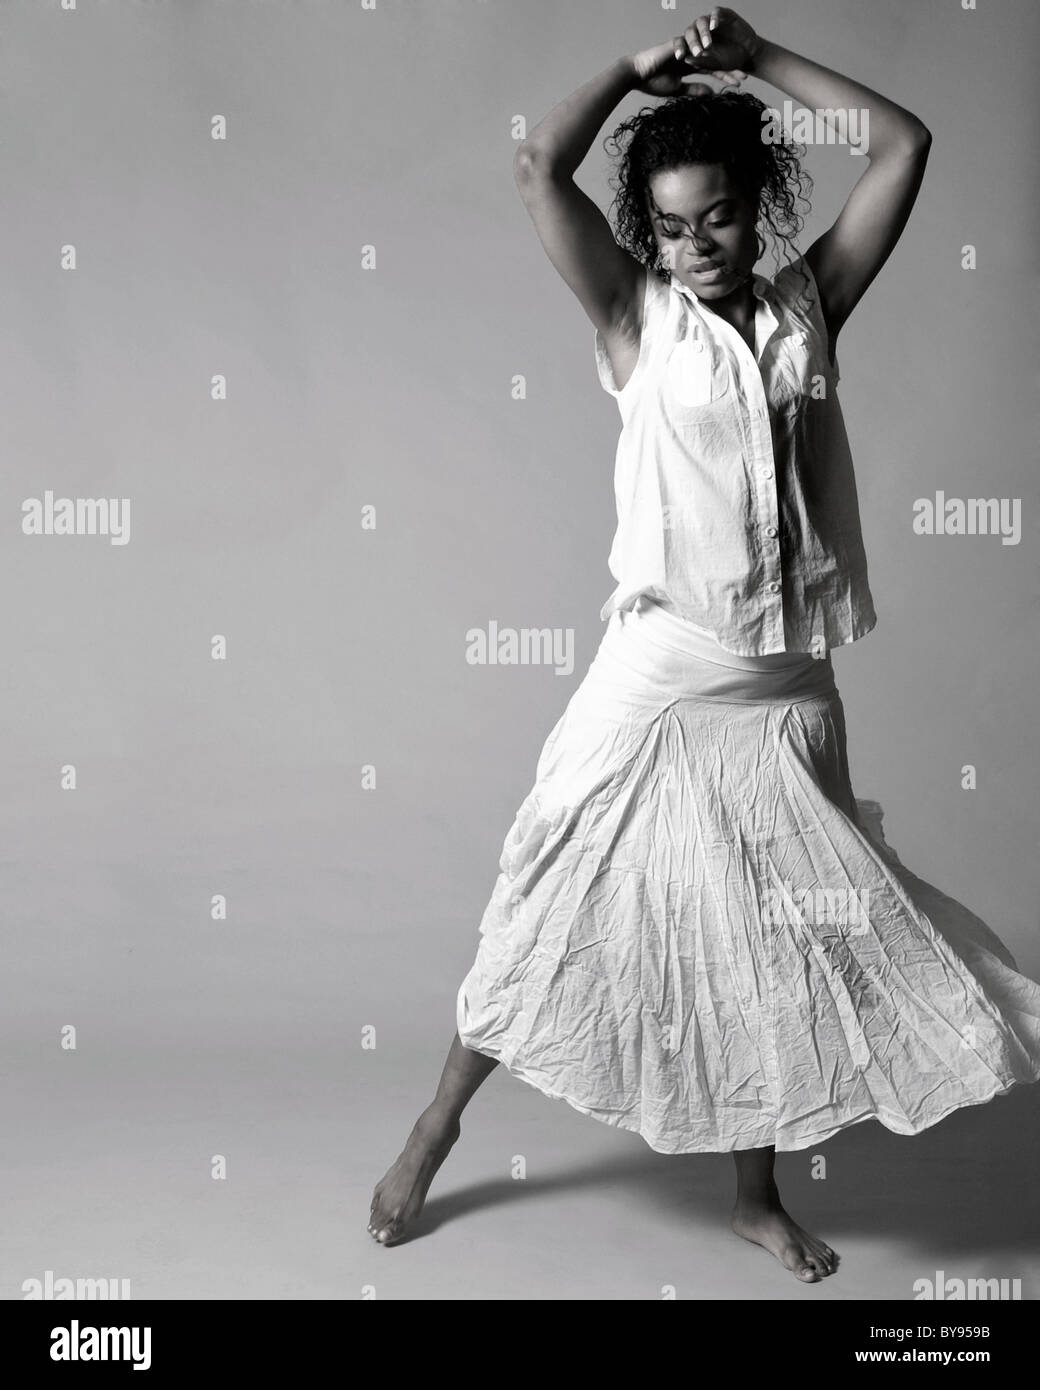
(717, 128)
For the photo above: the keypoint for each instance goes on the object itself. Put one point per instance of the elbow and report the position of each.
(910, 145)
(531, 165)
(919, 138)
(526, 162)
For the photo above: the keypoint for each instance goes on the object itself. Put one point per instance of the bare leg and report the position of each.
(399, 1196)
(759, 1216)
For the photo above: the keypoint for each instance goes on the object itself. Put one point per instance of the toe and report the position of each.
(816, 1257)
(798, 1261)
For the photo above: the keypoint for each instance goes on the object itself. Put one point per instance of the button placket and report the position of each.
(762, 460)
(758, 435)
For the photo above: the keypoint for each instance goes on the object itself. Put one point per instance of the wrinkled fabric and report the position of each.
(733, 478)
(699, 934)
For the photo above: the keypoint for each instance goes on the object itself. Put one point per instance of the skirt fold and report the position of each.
(699, 934)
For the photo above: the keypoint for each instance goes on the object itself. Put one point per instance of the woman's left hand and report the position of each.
(720, 43)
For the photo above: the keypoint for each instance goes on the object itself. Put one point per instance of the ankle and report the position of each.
(759, 1196)
(438, 1121)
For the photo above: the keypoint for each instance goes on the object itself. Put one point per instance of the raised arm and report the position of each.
(846, 258)
(576, 235)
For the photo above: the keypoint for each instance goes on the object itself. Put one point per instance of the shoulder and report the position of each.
(799, 297)
(628, 350)
(795, 287)
(656, 297)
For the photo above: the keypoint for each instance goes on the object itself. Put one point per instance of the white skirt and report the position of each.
(699, 934)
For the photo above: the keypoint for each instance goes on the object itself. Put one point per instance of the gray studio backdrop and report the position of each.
(144, 780)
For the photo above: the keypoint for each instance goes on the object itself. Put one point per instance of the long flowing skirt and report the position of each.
(699, 934)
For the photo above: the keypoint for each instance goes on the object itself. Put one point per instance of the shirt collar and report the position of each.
(761, 288)
(769, 312)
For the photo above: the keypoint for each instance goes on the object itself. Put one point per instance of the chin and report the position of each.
(717, 291)
(721, 288)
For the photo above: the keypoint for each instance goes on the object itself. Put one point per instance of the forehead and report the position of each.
(691, 188)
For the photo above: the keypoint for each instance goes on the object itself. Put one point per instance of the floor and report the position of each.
(218, 1127)
(111, 1177)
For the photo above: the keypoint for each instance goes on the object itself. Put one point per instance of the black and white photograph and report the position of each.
(522, 651)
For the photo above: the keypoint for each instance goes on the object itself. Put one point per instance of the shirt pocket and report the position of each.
(800, 371)
(695, 378)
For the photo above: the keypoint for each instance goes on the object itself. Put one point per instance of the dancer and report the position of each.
(697, 932)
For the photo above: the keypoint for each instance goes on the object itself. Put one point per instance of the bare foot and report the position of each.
(765, 1223)
(399, 1196)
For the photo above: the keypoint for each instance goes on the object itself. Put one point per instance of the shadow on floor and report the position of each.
(966, 1185)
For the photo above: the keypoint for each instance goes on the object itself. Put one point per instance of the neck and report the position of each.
(737, 307)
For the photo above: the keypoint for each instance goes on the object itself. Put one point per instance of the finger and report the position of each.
(693, 40)
(682, 49)
(703, 28)
(716, 18)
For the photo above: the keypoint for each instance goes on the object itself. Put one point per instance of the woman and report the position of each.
(697, 933)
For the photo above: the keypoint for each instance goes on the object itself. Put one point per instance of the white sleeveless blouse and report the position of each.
(736, 498)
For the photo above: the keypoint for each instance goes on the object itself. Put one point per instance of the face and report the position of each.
(705, 227)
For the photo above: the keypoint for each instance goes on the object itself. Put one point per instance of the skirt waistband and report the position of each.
(682, 660)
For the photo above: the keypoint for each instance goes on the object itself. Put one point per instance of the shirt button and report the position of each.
(773, 588)
(767, 472)
(771, 531)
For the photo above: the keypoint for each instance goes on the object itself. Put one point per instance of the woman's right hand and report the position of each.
(660, 70)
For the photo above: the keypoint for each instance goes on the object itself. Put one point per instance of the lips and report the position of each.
(712, 274)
